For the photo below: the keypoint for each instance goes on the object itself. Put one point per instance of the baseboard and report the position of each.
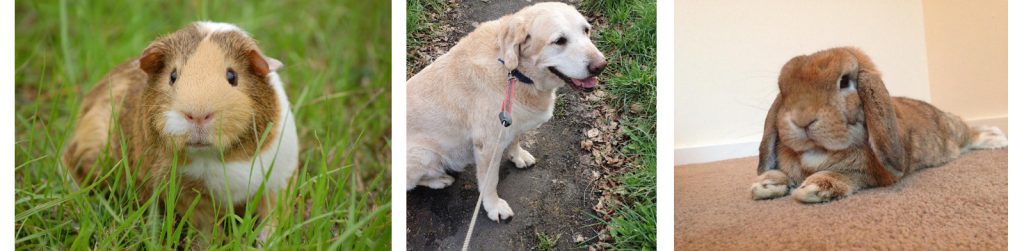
(711, 153)
(1003, 122)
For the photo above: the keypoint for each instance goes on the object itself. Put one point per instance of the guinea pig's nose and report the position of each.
(597, 67)
(198, 118)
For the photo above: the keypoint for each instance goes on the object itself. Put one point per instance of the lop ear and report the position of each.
(511, 37)
(262, 65)
(152, 60)
(882, 129)
(768, 157)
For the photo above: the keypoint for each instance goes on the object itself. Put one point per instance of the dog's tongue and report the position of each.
(590, 82)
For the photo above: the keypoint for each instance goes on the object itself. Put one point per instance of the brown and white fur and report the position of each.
(212, 127)
(454, 102)
(833, 129)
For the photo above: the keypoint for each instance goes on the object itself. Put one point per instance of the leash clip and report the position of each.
(506, 121)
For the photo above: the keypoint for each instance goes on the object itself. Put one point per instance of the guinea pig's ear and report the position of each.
(152, 60)
(768, 157)
(883, 131)
(510, 38)
(262, 65)
(274, 64)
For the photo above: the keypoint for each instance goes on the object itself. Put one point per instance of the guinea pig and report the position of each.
(202, 104)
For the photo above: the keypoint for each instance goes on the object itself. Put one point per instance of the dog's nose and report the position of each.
(597, 67)
(198, 118)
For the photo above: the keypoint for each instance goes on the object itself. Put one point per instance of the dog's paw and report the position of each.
(768, 189)
(820, 188)
(438, 182)
(498, 210)
(523, 159)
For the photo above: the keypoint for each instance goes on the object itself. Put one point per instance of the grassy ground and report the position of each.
(629, 43)
(416, 21)
(337, 74)
(423, 23)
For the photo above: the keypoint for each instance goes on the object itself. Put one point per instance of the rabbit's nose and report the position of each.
(808, 124)
(805, 123)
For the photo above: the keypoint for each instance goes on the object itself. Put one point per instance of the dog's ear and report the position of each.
(768, 157)
(880, 120)
(510, 39)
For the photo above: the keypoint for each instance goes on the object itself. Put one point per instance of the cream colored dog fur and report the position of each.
(454, 102)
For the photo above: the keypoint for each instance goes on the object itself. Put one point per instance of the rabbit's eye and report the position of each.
(232, 78)
(845, 82)
(174, 76)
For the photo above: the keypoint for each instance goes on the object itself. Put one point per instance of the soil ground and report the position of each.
(554, 198)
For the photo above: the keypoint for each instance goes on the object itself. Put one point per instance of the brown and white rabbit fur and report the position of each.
(833, 129)
(178, 102)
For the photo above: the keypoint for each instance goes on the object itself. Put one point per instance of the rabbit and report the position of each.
(833, 129)
(203, 103)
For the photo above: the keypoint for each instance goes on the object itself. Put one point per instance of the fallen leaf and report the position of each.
(586, 144)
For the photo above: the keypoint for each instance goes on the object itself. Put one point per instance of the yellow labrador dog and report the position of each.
(454, 102)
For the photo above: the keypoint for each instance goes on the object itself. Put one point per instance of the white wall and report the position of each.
(729, 52)
(967, 58)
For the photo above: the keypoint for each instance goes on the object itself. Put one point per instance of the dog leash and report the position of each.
(505, 117)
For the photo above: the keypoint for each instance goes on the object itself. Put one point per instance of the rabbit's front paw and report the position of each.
(772, 184)
(821, 187)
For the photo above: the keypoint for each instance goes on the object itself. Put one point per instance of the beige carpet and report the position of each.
(960, 206)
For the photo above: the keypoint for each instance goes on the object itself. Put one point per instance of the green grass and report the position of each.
(337, 72)
(546, 242)
(423, 20)
(416, 22)
(629, 43)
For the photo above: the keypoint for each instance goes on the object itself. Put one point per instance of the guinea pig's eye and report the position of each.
(174, 76)
(586, 30)
(232, 79)
(561, 41)
(845, 82)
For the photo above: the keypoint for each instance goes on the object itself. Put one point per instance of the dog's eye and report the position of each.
(232, 79)
(586, 30)
(174, 76)
(561, 41)
(845, 82)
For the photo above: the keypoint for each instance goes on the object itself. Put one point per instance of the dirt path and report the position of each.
(553, 198)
